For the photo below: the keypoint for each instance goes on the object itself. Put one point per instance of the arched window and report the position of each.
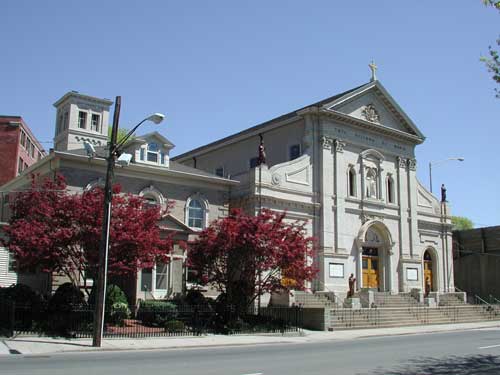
(195, 214)
(390, 189)
(153, 197)
(371, 183)
(351, 182)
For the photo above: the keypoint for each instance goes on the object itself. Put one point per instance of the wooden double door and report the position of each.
(371, 278)
(428, 279)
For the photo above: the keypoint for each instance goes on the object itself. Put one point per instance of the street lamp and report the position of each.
(440, 162)
(114, 152)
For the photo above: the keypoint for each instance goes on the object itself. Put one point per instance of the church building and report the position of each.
(347, 166)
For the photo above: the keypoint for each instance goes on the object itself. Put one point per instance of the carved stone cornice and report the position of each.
(326, 142)
(412, 164)
(401, 162)
(339, 145)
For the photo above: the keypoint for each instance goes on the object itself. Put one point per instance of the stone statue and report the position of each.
(371, 184)
(352, 283)
(262, 152)
(443, 193)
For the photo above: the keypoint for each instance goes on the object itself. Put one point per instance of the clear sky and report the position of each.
(218, 67)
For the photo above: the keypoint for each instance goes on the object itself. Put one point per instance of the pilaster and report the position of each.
(412, 203)
(340, 194)
(326, 235)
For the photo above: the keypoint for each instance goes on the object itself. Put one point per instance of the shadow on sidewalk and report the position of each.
(59, 342)
(458, 365)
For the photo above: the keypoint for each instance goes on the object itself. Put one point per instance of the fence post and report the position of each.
(11, 319)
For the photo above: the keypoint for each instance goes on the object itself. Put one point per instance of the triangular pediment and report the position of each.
(373, 104)
(170, 223)
(155, 137)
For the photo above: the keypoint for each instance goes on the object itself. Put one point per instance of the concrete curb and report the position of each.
(42, 345)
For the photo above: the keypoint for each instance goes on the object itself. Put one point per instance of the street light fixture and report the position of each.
(440, 162)
(114, 152)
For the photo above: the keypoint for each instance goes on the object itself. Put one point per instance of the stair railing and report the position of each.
(485, 307)
(421, 313)
(494, 300)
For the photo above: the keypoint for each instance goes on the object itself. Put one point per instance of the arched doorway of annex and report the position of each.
(430, 270)
(374, 264)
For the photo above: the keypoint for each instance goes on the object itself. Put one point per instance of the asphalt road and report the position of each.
(466, 352)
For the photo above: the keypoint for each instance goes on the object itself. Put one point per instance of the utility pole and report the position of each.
(104, 244)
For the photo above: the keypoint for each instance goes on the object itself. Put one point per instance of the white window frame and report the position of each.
(98, 124)
(205, 208)
(85, 119)
(142, 153)
(157, 292)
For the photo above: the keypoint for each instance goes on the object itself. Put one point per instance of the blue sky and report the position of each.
(218, 67)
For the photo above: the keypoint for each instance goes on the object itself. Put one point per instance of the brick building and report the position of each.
(19, 148)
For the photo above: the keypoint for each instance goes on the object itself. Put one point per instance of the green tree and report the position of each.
(492, 61)
(461, 223)
(121, 134)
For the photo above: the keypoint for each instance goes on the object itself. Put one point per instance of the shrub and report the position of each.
(65, 297)
(113, 295)
(119, 312)
(65, 310)
(156, 313)
(174, 326)
(196, 298)
(21, 294)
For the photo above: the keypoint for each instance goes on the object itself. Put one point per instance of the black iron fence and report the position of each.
(146, 321)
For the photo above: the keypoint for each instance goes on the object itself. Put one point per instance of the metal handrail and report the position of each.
(493, 298)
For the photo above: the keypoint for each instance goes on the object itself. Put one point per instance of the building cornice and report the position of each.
(146, 169)
(88, 98)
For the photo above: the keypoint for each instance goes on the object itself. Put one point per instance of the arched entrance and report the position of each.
(428, 272)
(374, 261)
(370, 263)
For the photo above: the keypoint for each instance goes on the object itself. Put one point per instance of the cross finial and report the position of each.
(373, 68)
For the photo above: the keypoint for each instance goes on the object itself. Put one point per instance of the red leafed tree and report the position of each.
(60, 232)
(246, 256)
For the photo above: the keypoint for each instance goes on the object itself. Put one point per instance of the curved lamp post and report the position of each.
(440, 162)
(114, 152)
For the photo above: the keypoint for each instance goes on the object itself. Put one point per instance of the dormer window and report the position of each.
(153, 151)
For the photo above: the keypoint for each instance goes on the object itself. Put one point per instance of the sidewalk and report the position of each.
(44, 345)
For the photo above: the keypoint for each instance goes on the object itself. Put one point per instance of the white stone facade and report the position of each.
(355, 182)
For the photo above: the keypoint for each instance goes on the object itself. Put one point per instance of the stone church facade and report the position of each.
(347, 165)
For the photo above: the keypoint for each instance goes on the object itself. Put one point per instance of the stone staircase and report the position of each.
(450, 300)
(403, 310)
(313, 300)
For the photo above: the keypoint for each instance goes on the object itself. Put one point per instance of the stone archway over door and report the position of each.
(374, 263)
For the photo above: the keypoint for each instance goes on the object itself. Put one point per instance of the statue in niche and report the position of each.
(371, 184)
